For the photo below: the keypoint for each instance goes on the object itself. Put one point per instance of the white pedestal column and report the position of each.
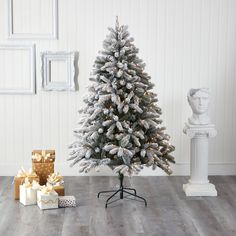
(198, 184)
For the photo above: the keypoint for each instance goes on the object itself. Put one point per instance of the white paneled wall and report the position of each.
(185, 44)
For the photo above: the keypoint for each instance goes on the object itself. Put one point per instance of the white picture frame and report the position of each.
(69, 84)
(32, 72)
(32, 36)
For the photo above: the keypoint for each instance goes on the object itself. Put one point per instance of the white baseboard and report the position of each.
(179, 169)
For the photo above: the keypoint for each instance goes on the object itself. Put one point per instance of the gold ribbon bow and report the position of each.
(55, 179)
(27, 183)
(34, 185)
(26, 174)
(47, 190)
(42, 157)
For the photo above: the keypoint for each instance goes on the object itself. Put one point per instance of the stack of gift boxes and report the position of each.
(41, 185)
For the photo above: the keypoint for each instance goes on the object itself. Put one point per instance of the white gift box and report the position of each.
(28, 196)
(47, 200)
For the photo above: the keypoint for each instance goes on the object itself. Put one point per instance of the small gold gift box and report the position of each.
(43, 164)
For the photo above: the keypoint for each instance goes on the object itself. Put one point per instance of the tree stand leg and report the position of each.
(121, 191)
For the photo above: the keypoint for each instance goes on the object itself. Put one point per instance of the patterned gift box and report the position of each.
(43, 163)
(20, 178)
(28, 192)
(56, 181)
(67, 201)
(47, 198)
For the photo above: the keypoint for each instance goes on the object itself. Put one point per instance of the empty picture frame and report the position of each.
(17, 69)
(29, 19)
(58, 71)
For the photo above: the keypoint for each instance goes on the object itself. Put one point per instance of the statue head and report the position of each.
(199, 101)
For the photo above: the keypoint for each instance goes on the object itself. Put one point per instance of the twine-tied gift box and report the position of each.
(43, 164)
(47, 198)
(20, 178)
(56, 181)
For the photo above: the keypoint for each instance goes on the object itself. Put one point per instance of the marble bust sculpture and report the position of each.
(199, 102)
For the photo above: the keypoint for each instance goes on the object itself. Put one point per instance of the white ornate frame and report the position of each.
(31, 49)
(69, 83)
(53, 35)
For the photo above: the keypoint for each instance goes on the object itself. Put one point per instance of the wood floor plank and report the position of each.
(169, 211)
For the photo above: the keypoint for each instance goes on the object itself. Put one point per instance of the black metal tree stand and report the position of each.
(121, 190)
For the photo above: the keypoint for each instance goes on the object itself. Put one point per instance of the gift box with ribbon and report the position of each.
(47, 198)
(20, 178)
(43, 163)
(28, 192)
(56, 181)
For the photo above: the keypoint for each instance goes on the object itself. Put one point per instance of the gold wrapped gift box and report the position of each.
(43, 170)
(43, 164)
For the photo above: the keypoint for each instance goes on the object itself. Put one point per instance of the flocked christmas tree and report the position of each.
(120, 125)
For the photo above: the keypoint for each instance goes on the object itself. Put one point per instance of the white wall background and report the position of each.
(185, 43)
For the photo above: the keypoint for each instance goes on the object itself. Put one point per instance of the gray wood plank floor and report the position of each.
(168, 212)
